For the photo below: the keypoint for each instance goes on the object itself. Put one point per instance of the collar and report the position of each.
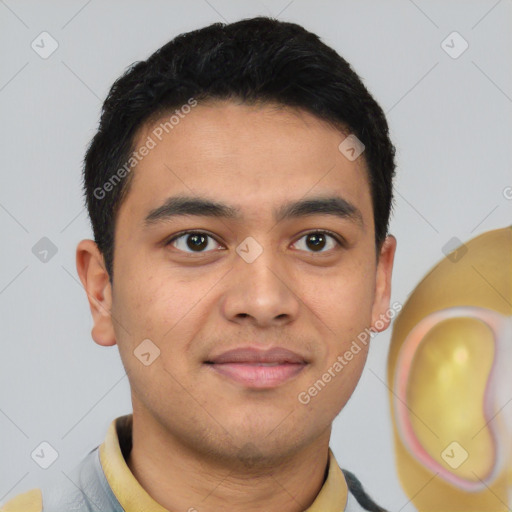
(133, 498)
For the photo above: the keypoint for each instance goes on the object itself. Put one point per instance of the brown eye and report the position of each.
(317, 241)
(193, 241)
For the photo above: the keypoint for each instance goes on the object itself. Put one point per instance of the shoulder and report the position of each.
(356, 489)
(30, 501)
(83, 489)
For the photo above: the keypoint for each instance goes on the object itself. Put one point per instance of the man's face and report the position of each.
(198, 297)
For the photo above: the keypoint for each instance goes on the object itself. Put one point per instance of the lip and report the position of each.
(256, 368)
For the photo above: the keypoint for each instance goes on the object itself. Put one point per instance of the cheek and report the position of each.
(160, 310)
(346, 298)
(151, 302)
(161, 306)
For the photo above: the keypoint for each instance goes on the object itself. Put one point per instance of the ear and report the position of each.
(381, 320)
(90, 266)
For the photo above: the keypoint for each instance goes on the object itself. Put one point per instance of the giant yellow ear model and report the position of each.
(450, 376)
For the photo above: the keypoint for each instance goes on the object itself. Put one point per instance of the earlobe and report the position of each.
(380, 316)
(90, 266)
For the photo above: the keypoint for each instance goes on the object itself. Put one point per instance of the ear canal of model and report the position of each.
(446, 417)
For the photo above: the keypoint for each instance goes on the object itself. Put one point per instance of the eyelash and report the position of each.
(332, 235)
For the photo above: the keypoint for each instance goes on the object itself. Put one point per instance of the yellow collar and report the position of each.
(133, 498)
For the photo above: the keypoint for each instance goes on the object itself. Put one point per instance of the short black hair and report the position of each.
(253, 60)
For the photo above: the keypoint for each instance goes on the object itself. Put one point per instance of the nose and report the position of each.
(262, 293)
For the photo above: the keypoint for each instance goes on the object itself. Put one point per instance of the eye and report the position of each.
(192, 241)
(319, 240)
(200, 241)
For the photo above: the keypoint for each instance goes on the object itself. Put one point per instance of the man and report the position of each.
(239, 188)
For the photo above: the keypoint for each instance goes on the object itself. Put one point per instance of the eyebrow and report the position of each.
(197, 206)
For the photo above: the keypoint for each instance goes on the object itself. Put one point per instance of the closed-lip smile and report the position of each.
(258, 368)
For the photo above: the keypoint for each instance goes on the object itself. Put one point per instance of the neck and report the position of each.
(180, 478)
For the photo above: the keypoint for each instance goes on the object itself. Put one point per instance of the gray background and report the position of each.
(449, 118)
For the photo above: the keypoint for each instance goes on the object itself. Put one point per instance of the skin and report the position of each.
(199, 439)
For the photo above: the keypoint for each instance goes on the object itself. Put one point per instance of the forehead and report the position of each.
(250, 156)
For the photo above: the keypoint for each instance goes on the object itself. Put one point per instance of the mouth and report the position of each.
(256, 368)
